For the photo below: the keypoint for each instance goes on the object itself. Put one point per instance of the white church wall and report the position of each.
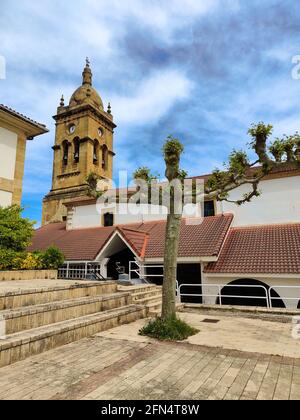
(209, 283)
(279, 203)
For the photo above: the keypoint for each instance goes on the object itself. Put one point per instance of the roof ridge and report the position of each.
(264, 226)
(132, 230)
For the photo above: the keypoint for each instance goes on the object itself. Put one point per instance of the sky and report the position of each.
(200, 70)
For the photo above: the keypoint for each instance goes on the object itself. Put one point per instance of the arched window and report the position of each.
(65, 148)
(104, 157)
(96, 152)
(76, 145)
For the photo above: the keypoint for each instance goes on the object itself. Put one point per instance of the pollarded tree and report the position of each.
(239, 171)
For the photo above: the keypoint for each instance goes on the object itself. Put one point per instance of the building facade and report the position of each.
(15, 131)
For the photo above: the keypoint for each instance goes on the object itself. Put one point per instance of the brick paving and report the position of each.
(105, 368)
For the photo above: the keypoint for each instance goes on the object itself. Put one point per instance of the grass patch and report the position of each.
(173, 329)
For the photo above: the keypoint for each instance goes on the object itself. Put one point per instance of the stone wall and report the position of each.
(28, 275)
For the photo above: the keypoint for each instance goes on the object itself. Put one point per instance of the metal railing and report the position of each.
(84, 271)
(219, 294)
(275, 288)
(141, 271)
(267, 296)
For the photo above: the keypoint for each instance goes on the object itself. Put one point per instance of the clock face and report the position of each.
(72, 129)
(100, 132)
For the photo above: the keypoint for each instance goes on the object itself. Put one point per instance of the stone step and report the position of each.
(19, 346)
(150, 299)
(152, 311)
(28, 297)
(136, 296)
(30, 317)
(138, 288)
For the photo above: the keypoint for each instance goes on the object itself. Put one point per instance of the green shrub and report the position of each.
(52, 258)
(7, 257)
(172, 329)
(32, 261)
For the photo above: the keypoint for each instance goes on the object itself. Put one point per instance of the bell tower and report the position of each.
(83, 144)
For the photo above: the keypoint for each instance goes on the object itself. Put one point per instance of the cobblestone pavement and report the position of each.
(111, 368)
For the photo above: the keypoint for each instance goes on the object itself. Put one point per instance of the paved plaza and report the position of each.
(119, 364)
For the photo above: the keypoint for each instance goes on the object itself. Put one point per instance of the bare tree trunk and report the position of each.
(170, 260)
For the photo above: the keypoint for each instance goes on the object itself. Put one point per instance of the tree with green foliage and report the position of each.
(15, 236)
(237, 172)
(15, 231)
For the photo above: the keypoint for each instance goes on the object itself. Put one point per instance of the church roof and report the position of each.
(147, 239)
(86, 94)
(268, 249)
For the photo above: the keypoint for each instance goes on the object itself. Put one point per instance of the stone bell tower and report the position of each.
(83, 144)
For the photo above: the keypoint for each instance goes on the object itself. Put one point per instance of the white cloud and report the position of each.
(153, 98)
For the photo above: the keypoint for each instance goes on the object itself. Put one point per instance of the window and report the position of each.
(96, 152)
(209, 208)
(108, 219)
(104, 156)
(76, 145)
(65, 147)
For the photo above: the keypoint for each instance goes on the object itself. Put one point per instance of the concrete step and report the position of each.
(137, 296)
(138, 288)
(21, 345)
(29, 297)
(29, 317)
(156, 311)
(150, 299)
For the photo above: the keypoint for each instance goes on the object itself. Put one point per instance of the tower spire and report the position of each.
(87, 73)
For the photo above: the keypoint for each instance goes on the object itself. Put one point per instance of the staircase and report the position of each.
(37, 320)
(150, 296)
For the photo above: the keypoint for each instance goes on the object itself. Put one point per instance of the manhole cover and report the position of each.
(211, 321)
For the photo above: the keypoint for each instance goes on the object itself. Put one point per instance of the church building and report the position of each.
(251, 250)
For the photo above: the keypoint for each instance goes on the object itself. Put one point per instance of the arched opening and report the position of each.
(104, 157)
(96, 152)
(65, 148)
(252, 296)
(298, 307)
(76, 146)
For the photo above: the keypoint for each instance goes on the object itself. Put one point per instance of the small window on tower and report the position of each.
(108, 219)
(209, 208)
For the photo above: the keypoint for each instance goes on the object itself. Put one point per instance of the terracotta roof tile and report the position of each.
(147, 239)
(273, 249)
(23, 117)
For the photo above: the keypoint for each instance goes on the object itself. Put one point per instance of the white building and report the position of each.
(257, 244)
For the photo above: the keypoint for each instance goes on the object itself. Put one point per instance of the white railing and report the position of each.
(141, 271)
(278, 288)
(219, 292)
(80, 271)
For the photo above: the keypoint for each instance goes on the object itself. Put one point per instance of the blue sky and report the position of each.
(200, 70)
